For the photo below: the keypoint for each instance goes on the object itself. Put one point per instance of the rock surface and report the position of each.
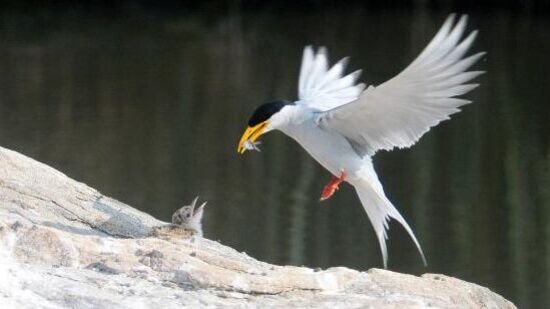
(64, 244)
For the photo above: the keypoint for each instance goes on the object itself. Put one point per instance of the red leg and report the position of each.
(332, 186)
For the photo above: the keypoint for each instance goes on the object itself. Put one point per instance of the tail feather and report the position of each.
(380, 210)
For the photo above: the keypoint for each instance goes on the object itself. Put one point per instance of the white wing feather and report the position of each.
(398, 112)
(324, 88)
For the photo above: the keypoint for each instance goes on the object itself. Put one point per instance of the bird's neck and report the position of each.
(292, 117)
(194, 224)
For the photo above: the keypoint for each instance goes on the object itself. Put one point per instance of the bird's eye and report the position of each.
(265, 111)
(188, 215)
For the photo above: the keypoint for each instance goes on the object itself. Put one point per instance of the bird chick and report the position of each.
(190, 216)
(186, 222)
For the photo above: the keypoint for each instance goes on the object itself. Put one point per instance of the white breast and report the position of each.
(330, 149)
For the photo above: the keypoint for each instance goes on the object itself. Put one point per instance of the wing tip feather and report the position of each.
(322, 50)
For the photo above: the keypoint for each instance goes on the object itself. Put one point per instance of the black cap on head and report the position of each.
(265, 111)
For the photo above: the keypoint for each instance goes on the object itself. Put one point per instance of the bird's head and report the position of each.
(189, 216)
(267, 117)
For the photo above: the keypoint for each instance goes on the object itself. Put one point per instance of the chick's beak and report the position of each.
(193, 205)
(251, 134)
(198, 209)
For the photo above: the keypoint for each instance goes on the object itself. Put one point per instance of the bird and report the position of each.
(186, 222)
(190, 216)
(342, 123)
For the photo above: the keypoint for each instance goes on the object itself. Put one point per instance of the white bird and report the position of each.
(342, 125)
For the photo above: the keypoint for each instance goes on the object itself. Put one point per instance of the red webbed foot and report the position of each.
(332, 186)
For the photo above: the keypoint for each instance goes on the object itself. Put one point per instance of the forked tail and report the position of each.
(380, 209)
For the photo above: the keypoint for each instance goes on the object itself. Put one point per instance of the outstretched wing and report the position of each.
(323, 87)
(398, 112)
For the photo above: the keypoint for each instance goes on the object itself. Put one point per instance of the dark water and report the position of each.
(149, 111)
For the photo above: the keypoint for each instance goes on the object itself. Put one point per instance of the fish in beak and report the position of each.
(250, 135)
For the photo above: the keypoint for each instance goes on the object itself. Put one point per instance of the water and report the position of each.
(149, 110)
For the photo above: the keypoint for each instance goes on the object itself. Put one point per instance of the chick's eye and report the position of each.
(188, 215)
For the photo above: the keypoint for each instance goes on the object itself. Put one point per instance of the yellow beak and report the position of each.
(251, 134)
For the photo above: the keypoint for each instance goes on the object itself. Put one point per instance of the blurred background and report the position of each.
(147, 102)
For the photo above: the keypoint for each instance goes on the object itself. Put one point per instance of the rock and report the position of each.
(64, 244)
(172, 230)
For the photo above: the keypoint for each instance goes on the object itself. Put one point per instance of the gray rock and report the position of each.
(65, 245)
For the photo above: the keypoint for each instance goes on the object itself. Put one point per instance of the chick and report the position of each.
(189, 216)
(186, 222)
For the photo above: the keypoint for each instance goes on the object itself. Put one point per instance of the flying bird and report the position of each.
(342, 123)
